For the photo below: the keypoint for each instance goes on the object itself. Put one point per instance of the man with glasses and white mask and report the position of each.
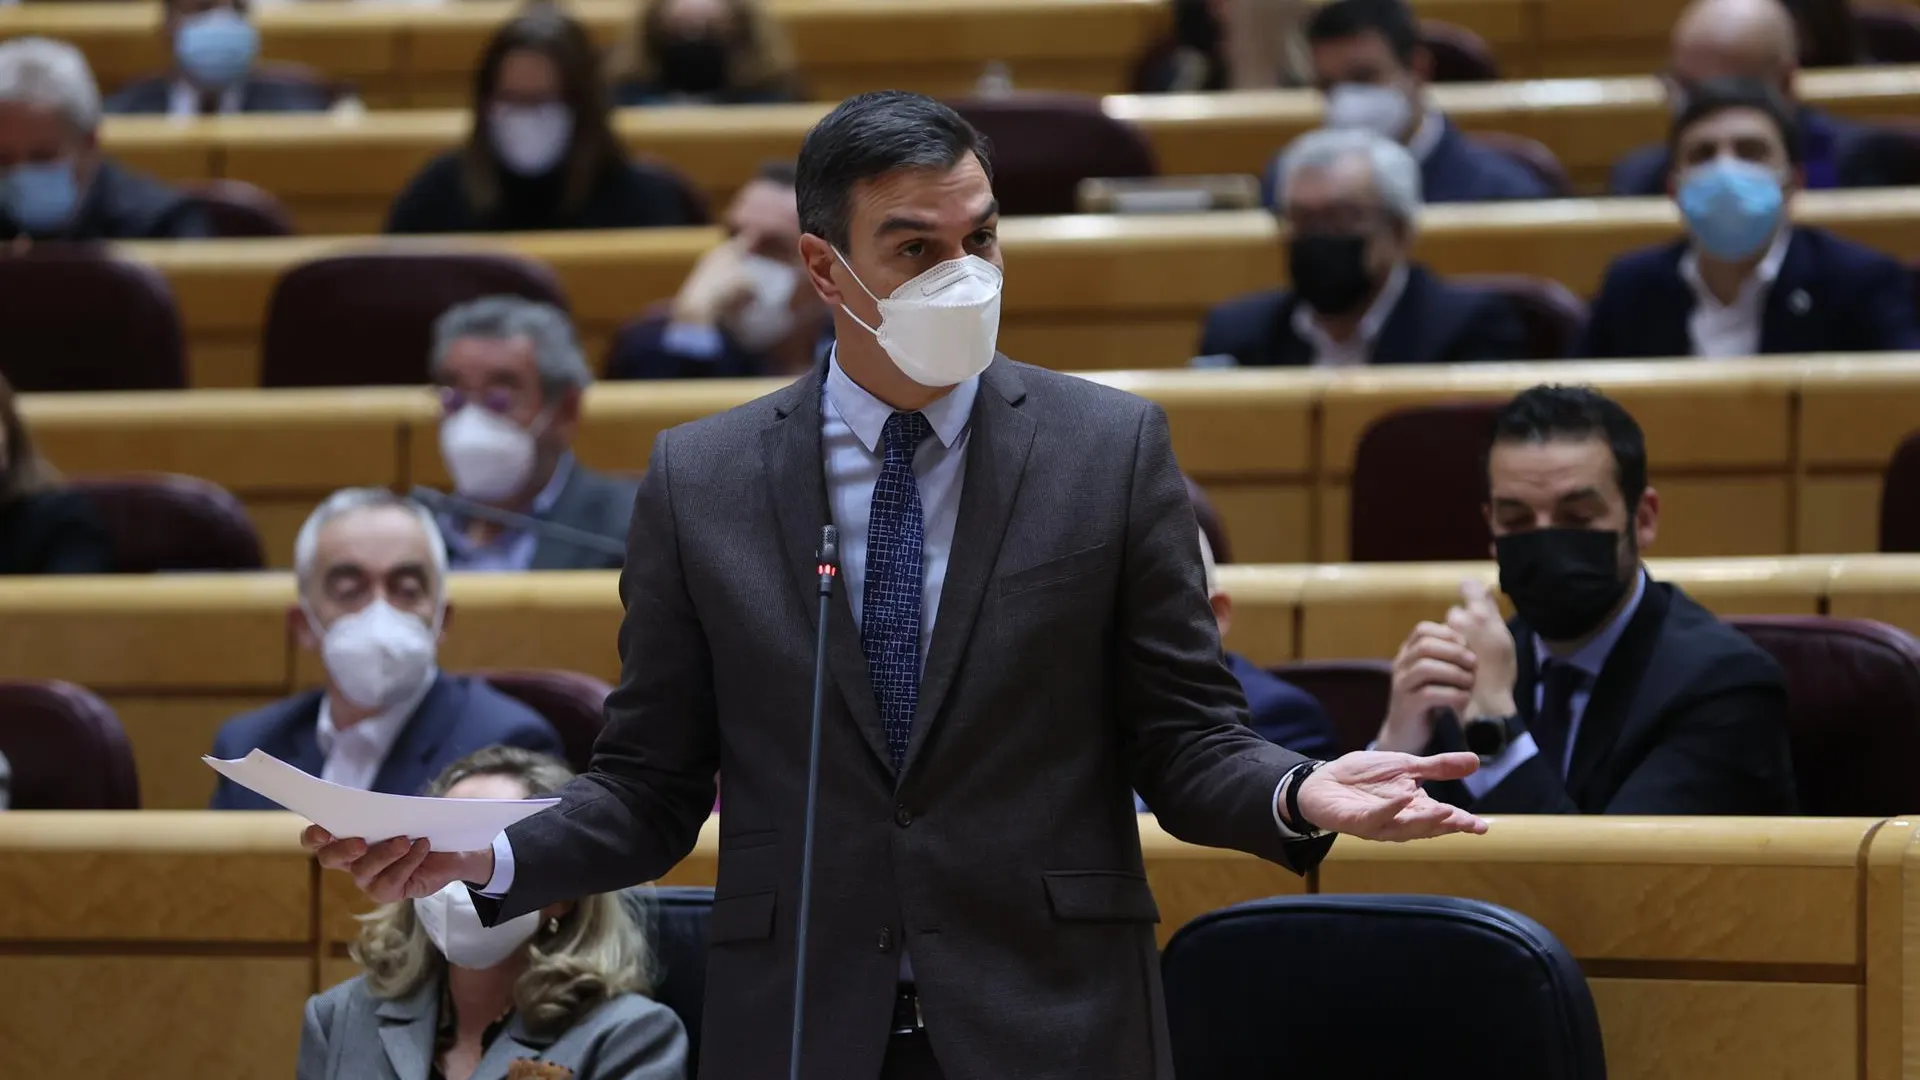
(511, 379)
(372, 570)
(745, 309)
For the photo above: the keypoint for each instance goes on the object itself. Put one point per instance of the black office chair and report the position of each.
(675, 918)
(1297, 986)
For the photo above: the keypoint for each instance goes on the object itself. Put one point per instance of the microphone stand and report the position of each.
(507, 519)
(828, 558)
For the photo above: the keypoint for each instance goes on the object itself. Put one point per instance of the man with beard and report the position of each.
(1610, 692)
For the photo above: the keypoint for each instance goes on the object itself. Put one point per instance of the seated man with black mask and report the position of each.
(1610, 693)
(1349, 201)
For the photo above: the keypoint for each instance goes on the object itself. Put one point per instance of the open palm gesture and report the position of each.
(1376, 795)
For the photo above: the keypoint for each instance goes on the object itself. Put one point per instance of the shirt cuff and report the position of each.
(1501, 765)
(692, 339)
(1278, 821)
(502, 879)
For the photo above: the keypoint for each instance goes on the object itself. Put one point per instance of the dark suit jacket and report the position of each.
(124, 205)
(1074, 659)
(1458, 170)
(641, 351)
(1831, 295)
(458, 716)
(1837, 154)
(592, 501)
(53, 532)
(1688, 716)
(154, 96)
(1433, 323)
(1283, 713)
(627, 196)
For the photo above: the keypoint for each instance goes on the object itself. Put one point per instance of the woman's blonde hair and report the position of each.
(24, 471)
(596, 952)
(759, 56)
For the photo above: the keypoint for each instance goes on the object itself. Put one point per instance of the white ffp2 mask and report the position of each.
(489, 456)
(530, 139)
(940, 328)
(767, 316)
(1384, 110)
(449, 919)
(378, 656)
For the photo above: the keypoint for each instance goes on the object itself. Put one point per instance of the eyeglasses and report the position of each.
(494, 401)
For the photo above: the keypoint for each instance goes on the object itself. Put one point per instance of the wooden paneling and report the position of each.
(1658, 1029)
(167, 732)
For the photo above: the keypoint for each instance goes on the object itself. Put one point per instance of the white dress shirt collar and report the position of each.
(184, 102)
(1358, 349)
(1733, 329)
(1426, 137)
(867, 415)
(374, 735)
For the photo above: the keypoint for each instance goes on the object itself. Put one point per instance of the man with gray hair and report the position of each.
(1350, 200)
(511, 379)
(372, 570)
(55, 183)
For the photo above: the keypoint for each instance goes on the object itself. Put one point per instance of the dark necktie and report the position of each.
(1554, 722)
(890, 599)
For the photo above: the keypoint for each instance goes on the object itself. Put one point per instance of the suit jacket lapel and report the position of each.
(1406, 337)
(1623, 679)
(511, 1045)
(551, 554)
(406, 766)
(1788, 323)
(797, 480)
(1289, 348)
(999, 438)
(406, 1031)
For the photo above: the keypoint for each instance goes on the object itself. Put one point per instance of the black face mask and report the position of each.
(1330, 272)
(1563, 582)
(694, 65)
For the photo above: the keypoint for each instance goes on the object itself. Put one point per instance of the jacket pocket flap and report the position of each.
(1101, 895)
(741, 918)
(1051, 571)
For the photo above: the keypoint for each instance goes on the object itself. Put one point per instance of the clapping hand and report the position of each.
(1376, 795)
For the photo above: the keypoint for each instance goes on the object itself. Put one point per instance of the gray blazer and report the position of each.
(592, 501)
(1074, 659)
(352, 1035)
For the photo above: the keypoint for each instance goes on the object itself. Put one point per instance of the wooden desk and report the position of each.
(414, 55)
(176, 656)
(166, 945)
(339, 174)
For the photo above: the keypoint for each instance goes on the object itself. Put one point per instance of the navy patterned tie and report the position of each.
(890, 600)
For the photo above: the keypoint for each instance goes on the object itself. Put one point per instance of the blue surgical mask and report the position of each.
(41, 196)
(216, 48)
(1732, 207)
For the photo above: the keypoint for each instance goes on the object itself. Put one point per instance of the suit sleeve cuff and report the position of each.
(502, 879)
(692, 339)
(1501, 765)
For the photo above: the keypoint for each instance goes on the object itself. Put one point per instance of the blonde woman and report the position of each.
(444, 998)
(705, 52)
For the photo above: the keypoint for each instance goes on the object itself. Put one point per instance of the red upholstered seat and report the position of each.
(163, 521)
(1534, 155)
(1459, 54)
(66, 749)
(78, 318)
(1043, 144)
(1418, 485)
(1550, 312)
(1900, 499)
(573, 703)
(238, 208)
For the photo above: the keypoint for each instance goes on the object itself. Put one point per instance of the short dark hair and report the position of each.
(776, 172)
(1551, 411)
(868, 136)
(1391, 19)
(1714, 96)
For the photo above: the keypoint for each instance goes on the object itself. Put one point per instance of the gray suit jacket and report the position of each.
(1074, 658)
(352, 1035)
(592, 501)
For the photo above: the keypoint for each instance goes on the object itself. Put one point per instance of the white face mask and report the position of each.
(449, 919)
(1383, 110)
(530, 139)
(767, 316)
(378, 656)
(489, 456)
(941, 327)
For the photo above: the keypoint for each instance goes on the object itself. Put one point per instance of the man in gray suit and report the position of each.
(1023, 638)
(511, 380)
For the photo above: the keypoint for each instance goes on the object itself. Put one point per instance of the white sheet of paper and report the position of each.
(448, 824)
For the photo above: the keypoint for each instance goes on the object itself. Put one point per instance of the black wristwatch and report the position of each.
(1290, 796)
(1488, 735)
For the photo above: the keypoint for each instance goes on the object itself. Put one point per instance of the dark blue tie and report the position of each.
(890, 600)
(1554, 721)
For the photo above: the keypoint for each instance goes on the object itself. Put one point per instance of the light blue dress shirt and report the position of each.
(1589, 658)
(510, 549)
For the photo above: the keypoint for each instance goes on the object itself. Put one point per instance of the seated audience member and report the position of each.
(1281, 712)
(44, 528)
(371, 572)
(1746, 280)
(1752, 39)
(746, 309)
(1610, 692)
(55, 181)
(1230, 45)
(705, 52)
(443, 997)
(1351, 202)
(214, 47)
(511, 379)
(1369, 62)
(541, 154)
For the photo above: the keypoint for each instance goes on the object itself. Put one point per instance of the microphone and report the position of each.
(442, 502)
(828, 558)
